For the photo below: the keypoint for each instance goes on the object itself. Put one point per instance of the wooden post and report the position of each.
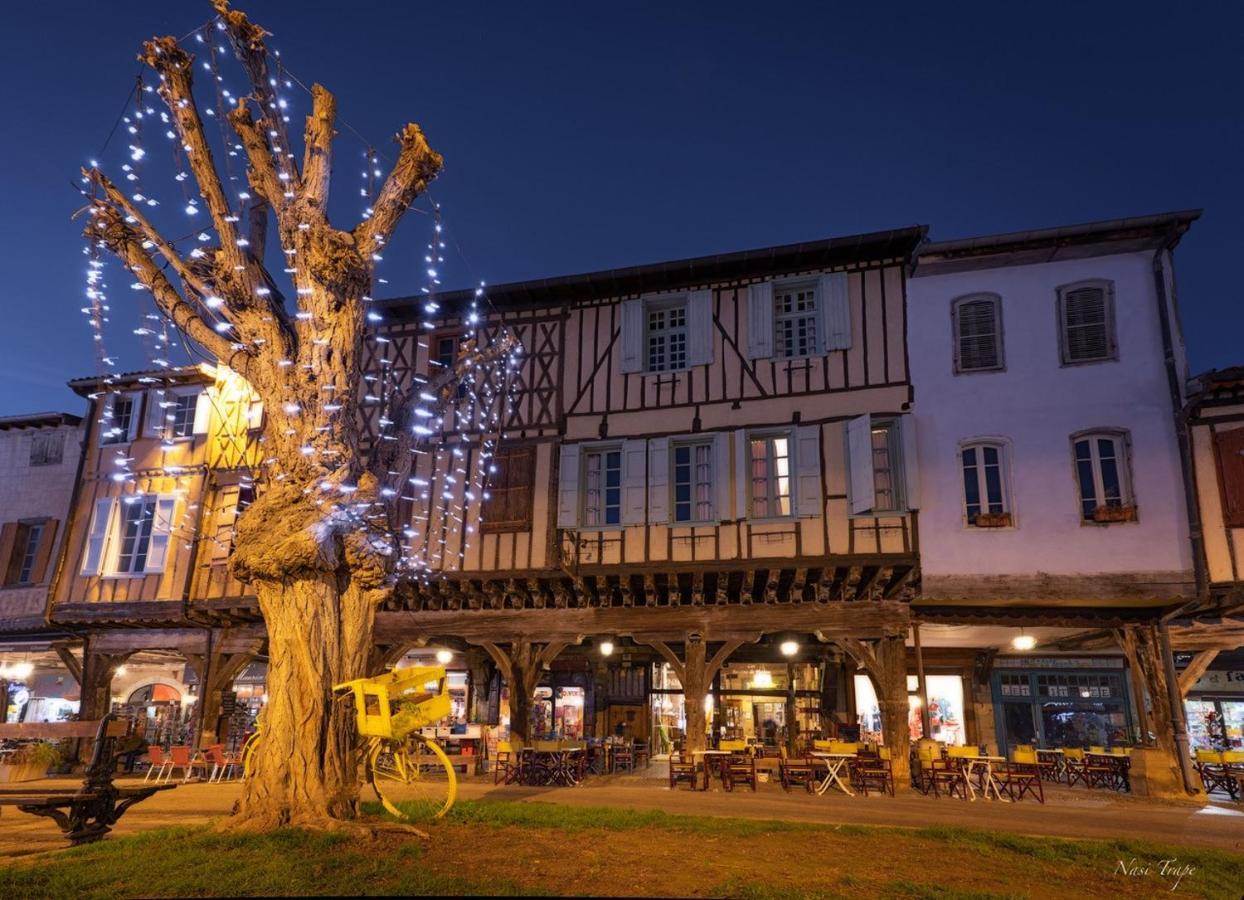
(1156, 768)
(695, 672)
(792, 711)
(96, 695)
(921, 687)
(885, 661)
(521, 666)
(1197, 667)
(478, 696)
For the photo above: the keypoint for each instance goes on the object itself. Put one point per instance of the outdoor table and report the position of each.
(561, 765)
(1122, 767)
(708, 754)
(834, 764)
(989, 783)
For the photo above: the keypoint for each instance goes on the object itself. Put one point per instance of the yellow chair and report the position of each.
(961, 752)
(1233, 757)
(1076, 753)
(1213, 757)
(851, 747)
(1093, 749)
(733, 746)
(1024, 756)
(822, 746)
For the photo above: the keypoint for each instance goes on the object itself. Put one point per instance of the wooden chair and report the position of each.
(506, 766)
(1022, 775)
(683, 768)
(927, 750)
(800, 770)
(947, 774)
(737, 769)
(1216, 774)
(1075, 765)
(641, 754)
(624, 755)
(1050, 765)
(875, 771)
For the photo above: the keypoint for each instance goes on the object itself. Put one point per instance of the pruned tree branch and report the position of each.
(317, 153)
(262, 175)
(190, 278)
(417, 164)
(109, 225)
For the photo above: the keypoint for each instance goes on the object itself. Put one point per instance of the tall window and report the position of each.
(181, 415)
(1102, 474)
(19, 568)
(446, 354)
(978, 333)
(770, 475)
(984, 485)
(693, 482)
(667, 336)
(794, 321)
(602, 487)
(47, 449)
(1086, 322)
(887, 485)
(134, 531)
(119, 428)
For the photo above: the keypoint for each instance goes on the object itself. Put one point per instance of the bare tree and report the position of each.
(310, 546)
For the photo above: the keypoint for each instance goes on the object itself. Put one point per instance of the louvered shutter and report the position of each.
(700, 328)
(225, 518)
(835, 304)
(1229, 447)
(93, 558)
(1086, 324)
(632, 336)
(860, 463)
(161, 531)
(202, 413)
(978, 338)
(808, 500)
(8, 549)
(911, 462)
(568, 487)
(136, 412)
(723, 480)
(760, 320)
(658, 481)
(156, 412)
(634, 482)
(742, 472)
(43, 553)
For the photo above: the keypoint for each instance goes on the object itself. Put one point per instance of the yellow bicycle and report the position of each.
(402, 765)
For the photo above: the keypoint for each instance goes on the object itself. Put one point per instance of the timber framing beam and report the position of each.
(734, 622)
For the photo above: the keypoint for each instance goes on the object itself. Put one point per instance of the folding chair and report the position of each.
(738, 770)
(796, 771)
(683, 768)
(157, 759)
(874, 771)
(1022, 775)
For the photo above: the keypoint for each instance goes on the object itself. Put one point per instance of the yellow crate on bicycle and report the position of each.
(396, 703)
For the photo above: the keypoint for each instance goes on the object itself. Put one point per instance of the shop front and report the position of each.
(1061, 702)
(947, 718)
(1215, 707)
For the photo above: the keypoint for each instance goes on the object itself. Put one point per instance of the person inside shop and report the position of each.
(133, 745)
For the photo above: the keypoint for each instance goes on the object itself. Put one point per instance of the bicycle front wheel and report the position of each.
(412, 777)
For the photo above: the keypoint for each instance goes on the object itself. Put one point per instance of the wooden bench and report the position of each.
(85, 813)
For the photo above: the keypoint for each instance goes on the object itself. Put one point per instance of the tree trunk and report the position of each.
(694, 686)
(520, 713)
(792, 712)
(306, 766)
(891, 678)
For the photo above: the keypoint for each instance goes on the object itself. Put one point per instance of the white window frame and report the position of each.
(713, 499)
(898, 478)
(1004, 477)
(1123, 464)
(107, 422)
(1112, 341)
(999, 342)
(665, 305)
(601, 450)
(816, 315)
(771, 477)
(104, 559)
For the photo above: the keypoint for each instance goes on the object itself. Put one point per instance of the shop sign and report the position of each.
(1226, 681)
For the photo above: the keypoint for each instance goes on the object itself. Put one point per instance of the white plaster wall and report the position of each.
(1036, 404)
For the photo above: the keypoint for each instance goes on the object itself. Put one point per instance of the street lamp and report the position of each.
(1024, 641)
(789, 648)
(606, 648)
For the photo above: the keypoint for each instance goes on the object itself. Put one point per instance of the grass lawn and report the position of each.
(490, 847)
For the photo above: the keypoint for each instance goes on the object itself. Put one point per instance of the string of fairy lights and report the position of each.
(454, 441)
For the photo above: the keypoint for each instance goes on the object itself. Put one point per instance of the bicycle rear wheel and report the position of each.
(412, 777)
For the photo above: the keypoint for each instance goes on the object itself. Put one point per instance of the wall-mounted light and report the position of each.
(789, 648)
(121, 670)
(606, 648)
(444, 657)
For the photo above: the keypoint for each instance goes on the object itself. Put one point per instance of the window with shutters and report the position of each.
(693, 481)
(602, 487)
(134, 527)
(795, 315)
(507, 497)
(1229, 452)
(665, 336)
(1086, 322)
(769, 475)
(121, 418)
(129, 535)
(986, 497)
(978, 333)
(180, 416)
(47, 449)
(23, 556)
(1103, 477)
(887, 467)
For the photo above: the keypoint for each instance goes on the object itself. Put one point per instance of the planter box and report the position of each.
(993, 520)
(1114, 514)
(10, 774)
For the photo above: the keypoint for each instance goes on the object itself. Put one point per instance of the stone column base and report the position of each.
(1155, 773)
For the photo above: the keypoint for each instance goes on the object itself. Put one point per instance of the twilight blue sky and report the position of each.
(581, 136)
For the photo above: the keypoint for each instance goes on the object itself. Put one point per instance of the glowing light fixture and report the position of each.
(762, 679)
(789, 648)
(1024, 641)
(121, 670)
(444, 657)
(606, 648)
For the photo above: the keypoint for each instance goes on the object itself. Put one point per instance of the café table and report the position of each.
(983, 765)
(559, 766)
(834, 764)
(1054, 758)
(706, 756)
